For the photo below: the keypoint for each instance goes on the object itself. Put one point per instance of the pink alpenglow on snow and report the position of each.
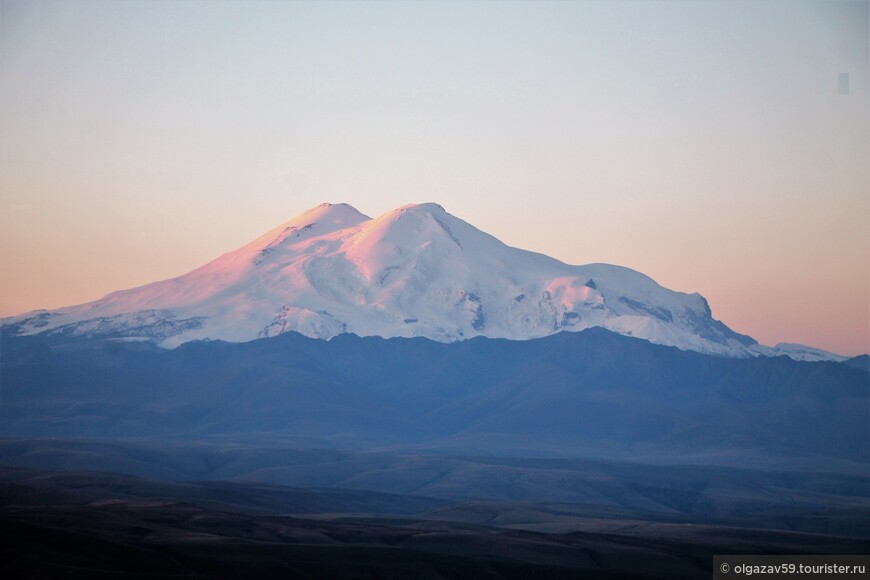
(416, 271)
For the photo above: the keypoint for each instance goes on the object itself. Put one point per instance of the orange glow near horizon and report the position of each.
(140, 140)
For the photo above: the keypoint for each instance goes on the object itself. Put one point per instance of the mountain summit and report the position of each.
(414, 271)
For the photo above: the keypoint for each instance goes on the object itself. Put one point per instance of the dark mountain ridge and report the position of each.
(570, 394)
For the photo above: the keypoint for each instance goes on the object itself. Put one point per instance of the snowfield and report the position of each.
(414, 271)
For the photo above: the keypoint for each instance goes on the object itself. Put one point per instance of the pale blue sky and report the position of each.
(702, 143)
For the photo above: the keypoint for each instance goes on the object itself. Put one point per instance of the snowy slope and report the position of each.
(803, 352)
(414, 271)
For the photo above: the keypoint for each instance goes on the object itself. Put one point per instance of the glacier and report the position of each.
(416, 271)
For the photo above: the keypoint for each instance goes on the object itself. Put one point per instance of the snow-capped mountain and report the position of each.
(413, 271)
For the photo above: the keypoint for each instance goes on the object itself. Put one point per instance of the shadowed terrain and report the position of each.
(93, 524)
(577, 455)
(571, 394)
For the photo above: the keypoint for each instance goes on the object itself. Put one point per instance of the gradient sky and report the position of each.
(708, 145)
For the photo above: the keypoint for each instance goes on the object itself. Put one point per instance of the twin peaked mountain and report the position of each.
(416, 271)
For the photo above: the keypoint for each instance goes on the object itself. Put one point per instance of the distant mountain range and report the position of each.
(416, 271)
(589, 393)
(407, 396)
